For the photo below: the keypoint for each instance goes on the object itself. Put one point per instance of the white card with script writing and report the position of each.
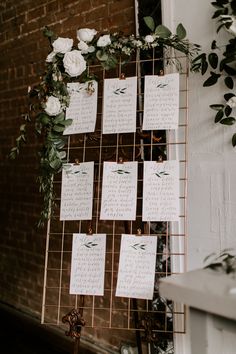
(161, 102)
(119, 105)
(119, 191)
(88, 264)
(137, 263)
(82, 107)
(161, 191)
(77, 191)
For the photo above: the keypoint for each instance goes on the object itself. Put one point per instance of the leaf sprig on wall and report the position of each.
(220, 63)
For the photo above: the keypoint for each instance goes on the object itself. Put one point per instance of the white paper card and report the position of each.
(119, 191)
(161, 191)
(82, 108)
(119, 105)
(88, 264)
(77, 191)
(161, 102)
(136, 273)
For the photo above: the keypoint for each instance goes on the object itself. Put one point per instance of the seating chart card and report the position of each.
(161, 191)
(136, 273)
(161, 102)
(119, 191)
(82, 108)
(77, 191)
(119, 105)
(88, 264)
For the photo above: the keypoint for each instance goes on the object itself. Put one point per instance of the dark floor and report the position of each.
(21, 334)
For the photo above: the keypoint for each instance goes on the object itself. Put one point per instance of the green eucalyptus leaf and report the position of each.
(213, 45)
(219, 116)
(67, 122)
(217, 5)
(219, 12)
(228, 121)
(58, 128)
(212, 80)
(149, 22)
(233, 5)
(234, 140)
(59, 118)
(213, 60)
(181, 31)
(216, 106)
(199, 57)
(55, 164)
(62, 155)
(204, 67)
(227, 96)
(101, 55)
(228, 110)
(229, 70)
(162, 31)
(229, 82)
(47, 32)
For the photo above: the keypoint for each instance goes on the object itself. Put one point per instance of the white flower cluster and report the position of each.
(73, 59)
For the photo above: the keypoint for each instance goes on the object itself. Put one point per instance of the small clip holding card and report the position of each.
(122, 76)
(90, 231)
(120, 160)
(159, 159)
(77, 162)
(161, 73)
(139, 232)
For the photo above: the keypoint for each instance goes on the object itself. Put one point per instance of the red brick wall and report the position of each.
(23, 52)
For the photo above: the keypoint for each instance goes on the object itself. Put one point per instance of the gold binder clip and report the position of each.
(161, 73)
(120, 160)
(160, 159)
(76, 162)
(139, 232)
(90, 231)
(122, 76)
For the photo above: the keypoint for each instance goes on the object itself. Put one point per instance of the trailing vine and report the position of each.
(220, 63)
(68, 63)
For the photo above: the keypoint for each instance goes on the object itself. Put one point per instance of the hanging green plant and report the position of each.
(68, 62)
(220, 63)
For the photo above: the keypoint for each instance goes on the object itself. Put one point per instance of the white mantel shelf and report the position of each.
(203, 289)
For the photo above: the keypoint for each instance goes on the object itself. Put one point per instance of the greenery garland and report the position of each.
(67, 63)
(221, 62)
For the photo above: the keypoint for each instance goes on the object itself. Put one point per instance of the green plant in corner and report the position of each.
(220, 63)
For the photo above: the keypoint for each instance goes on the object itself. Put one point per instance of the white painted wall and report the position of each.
(212, 159)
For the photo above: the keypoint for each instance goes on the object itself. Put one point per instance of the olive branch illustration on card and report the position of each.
(162, 85)
(139, 246)
(161, 174)
(90, 244)
(120, 91)
(121, 172)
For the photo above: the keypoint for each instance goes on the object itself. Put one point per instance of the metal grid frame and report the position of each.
(109, 311)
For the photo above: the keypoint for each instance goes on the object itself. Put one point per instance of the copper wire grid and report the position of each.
(109, 311)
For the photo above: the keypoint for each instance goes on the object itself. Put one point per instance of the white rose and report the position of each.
(232, 102)
(74, 63)
(149, 38)
(85, 49)
(50, 57)
(104, 40)
(62, 45)
(53, 106)
(86, 34)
